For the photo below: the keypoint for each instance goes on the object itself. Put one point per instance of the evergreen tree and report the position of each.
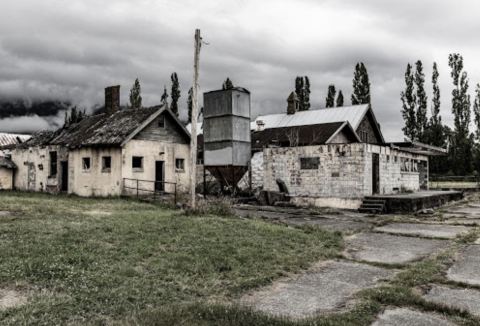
(306, 104)
(175, 93)
(461, 153)
(340, 99)
(190, 104)
(435, 134)
(476, 112)
(361, 85)
(135, 95)
(330, 100)
(227, 84)
(75, 116)
(408, 105)
(164, 98)
(300, 91)
(421, 116)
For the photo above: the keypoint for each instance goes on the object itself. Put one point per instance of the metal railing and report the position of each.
(157, 188)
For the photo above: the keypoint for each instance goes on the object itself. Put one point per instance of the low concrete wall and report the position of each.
(334, 202)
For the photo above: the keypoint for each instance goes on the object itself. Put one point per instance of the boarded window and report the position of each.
(309, 163)
(137, 162)
(161, 121)
(53, 164)
(106, 163)
(180, 164)
(86, 163)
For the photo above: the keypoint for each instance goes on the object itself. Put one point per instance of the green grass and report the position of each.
(120, 261)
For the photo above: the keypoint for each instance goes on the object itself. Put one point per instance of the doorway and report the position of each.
(159, 176)
(375, 173)
(64, 184)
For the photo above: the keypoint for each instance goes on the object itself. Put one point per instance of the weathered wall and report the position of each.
(33, 168)
(344, 171)
(153, 151)
(6, 178)
(95, 181)
(366, 132)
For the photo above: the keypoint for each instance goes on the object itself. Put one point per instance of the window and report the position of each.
(180, 164)
(363, 136)
(53, 164)
(309, 163)
(161, 121)
(137, 162)
(106, 163)
(86, 163)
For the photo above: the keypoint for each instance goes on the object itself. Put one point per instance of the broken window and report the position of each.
(86, 163)
(137, 162)
(309, 163)
(180, 164)
(106, 163)
(161, 121)
(53, 164)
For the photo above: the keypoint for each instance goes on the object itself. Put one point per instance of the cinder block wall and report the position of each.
(344, 170)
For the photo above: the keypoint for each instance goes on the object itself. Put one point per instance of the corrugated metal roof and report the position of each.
(352, 114)
(7, 139)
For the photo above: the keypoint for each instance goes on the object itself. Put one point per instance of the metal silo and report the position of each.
(226, 130)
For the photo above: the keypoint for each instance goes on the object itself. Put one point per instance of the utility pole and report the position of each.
(193, 132)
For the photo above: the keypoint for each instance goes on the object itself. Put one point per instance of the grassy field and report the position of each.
(113, 261)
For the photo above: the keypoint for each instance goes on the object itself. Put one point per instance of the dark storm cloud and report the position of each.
(71, 50)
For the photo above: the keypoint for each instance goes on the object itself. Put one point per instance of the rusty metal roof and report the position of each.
(7, 139)
(353, 114)
(98, 130)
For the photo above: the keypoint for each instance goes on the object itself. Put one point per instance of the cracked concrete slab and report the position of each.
(404, 317)
(331, 224)
(327, 287)
(425, 230)
(463, 221)
(464, 299)
(466, 267)
(390, 249)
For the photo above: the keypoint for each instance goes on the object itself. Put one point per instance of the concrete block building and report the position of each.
(126, 151)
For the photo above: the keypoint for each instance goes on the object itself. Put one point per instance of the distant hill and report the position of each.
(18, 108)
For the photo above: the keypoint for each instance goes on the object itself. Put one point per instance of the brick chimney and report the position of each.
(112, 99)
(293, 104)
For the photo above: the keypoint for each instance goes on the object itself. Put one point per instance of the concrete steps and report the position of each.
(372, 205)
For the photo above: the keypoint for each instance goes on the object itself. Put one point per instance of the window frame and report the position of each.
(53, 164)
(161, 121)
(136, 168)
(104, 160)
(84, 161)
(182, 168)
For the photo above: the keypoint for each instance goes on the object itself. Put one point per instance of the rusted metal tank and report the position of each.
(226, 129)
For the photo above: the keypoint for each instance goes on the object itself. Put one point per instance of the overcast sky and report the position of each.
(71, 50)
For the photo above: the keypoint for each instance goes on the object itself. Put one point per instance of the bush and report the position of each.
(218, 206)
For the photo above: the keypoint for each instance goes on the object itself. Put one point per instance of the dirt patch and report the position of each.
(98, 213)
(11, 299)
(5, 213)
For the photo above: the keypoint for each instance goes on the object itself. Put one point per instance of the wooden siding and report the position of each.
(171, 133)
(366, 132)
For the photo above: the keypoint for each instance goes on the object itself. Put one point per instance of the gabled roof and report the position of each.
(306, 135)
(103, 129)
(352, 114)
(8, 139)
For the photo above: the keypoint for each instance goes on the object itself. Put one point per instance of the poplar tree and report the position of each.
(135, 95)
(300, 91)
(175, 93)
(421, 115)
(330, 100)
(461, 153)
(476, 112)
(340, 99)
(361, 85)
(164, 98)
(227, 84)
(190, 104)
(306, 98)
(408, 105)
